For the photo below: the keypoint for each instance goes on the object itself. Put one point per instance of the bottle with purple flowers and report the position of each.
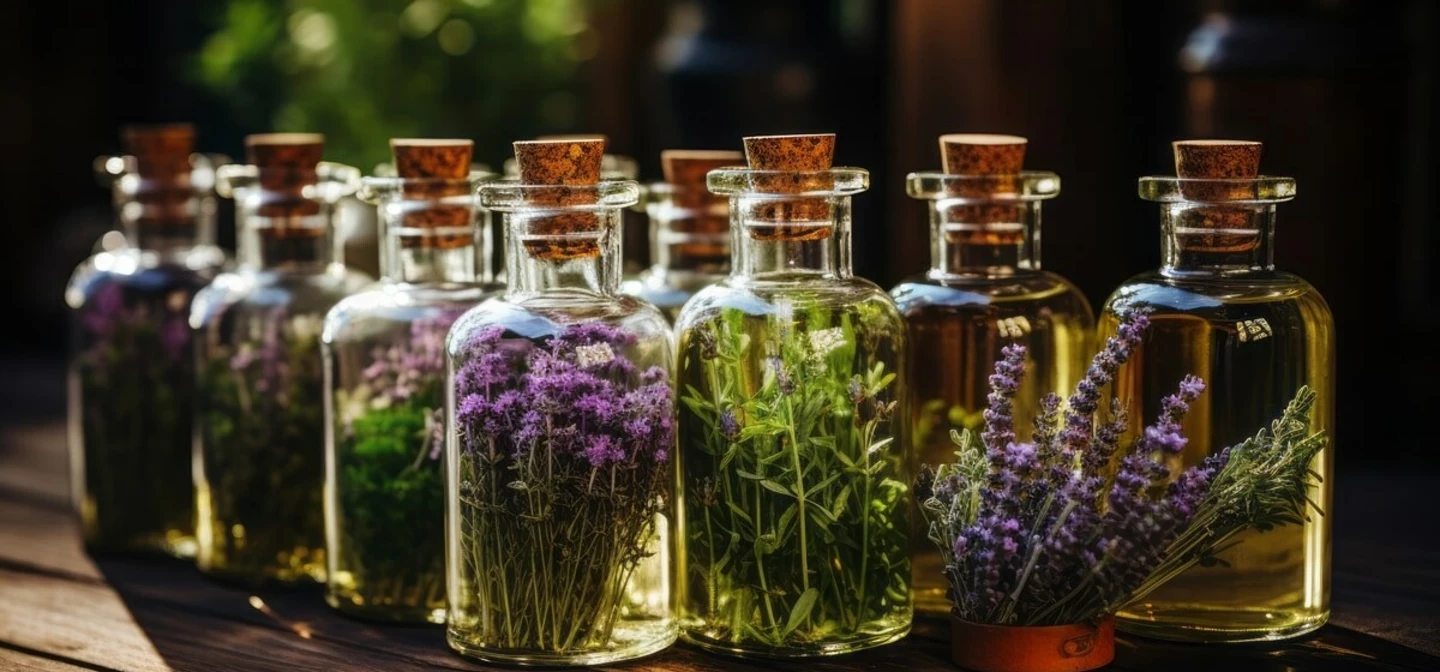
(795, 505)
(260, 448)
(1220, 310)
(384, 352)
(132, 373)
(560, 425)
(985, 290)
(689, 230)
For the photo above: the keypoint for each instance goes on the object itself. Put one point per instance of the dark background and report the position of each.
(1343, 93)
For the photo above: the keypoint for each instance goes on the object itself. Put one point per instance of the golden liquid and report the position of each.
(1255, 341)
(956, 333)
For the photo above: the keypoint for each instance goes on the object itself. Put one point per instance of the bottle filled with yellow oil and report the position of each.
(1219, 310)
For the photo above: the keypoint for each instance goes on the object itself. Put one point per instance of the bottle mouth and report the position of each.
(1028, 185)
(120, 173)
(787, 184)
(510, 195)
(384, 188)
(1261, 190)
(612, 167)
(333, 181)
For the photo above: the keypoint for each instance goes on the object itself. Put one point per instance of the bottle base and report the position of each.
(818, 650)
(261, 578)
(1205, 627)
(386, 614)
(645, 638)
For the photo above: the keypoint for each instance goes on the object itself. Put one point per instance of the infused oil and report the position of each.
(1219, 310)
(984, 290)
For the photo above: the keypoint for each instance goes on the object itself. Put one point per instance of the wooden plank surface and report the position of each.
(59, 610)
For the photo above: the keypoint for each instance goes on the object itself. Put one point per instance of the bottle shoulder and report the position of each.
(139, 271)
(1032, 290)
(261, 289)
(838, 295)
(549, 314)
(1155, 291)
(389, 305)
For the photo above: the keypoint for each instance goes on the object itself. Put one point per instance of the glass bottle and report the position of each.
(561, 426)
(689, 230)
(384, 352)
(1220, 310)
(795, 505)
(984, 290)
(259, 454)
(131, 373)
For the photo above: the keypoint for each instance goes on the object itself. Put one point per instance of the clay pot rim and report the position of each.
(1030, 628)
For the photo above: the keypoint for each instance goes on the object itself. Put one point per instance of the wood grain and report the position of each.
(59, 610)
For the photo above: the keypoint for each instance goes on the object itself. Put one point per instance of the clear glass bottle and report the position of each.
(984, 290)
(794, 518)
(1220, 310)
(260, 448)
(384, 352)
(561, 427)
(131, 373)
(689, 230)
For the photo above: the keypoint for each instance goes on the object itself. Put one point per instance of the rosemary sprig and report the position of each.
(796, 504)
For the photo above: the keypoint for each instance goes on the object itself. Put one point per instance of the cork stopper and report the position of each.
(562, 163)
(994, 162)
(685, 171)
(435, 170)
(161, 151)
(1219, 227)
(982, 153)
(286, 163)
(807, 157)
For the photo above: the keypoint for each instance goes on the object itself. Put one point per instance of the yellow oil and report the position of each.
(957, 330)
(1255, 340)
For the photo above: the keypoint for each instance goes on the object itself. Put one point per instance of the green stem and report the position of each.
(799, 493)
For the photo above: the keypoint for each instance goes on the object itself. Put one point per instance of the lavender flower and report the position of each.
(1058, 531)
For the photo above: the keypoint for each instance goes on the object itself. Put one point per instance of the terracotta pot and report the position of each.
(1049, 648)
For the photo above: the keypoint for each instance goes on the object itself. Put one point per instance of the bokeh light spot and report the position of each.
(456, 37)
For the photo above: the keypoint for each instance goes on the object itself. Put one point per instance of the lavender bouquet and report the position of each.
(1071, 526)
(388, 535)
(563, 460)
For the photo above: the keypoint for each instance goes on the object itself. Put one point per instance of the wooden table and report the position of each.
(60, 610)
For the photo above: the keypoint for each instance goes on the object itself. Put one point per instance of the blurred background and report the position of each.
(1343, 93)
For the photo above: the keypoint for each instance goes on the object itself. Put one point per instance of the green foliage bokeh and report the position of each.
(364, 71)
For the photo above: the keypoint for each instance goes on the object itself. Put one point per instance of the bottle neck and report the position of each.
(1206, 239)
(539, 260)
(763, 247)
(416, 254)
(301, 244)
(984, 238)
(165, 222)
(687, 241)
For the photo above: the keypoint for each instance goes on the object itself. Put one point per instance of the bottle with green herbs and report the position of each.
(384, 354)
(561, 427)
(132, 372)
(984, 291)
(1218, 309)
(260, 449)
(795, 509)
(689, 230)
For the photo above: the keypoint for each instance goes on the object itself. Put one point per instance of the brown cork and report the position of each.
(807, 158)
(563, 163)
(702, 212)
(996, 160)
(162, 151)
(287, 165)
(1217, 160)
(161, 156)
(440, 169)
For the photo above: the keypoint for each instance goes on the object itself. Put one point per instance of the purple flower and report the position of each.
(729, 426)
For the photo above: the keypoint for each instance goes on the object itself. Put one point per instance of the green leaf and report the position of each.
(802, 609)
(772, 486)
(734, 508)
